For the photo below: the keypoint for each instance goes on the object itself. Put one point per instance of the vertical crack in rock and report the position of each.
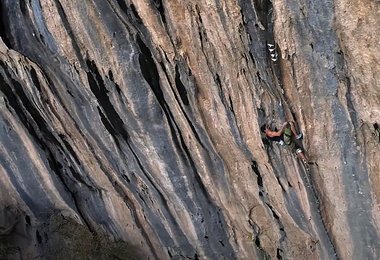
(70, 149)
(110, 75)
(350, 106)
(264, 11)
(263, 197)
(257, 231)
(35, 80)
(130, 11)
(132, 207)
(232, 119)
(280, 225)
(316, 213)
(4, 26)
(123, 6)
(202, 36)
(67, 26)
(161, 10)
(279, 253)
(180, 87)
(257, 172)
(114, 123)
(115, 126)
(20, 103)
(166, 210)
(150, 73)
(377, 129)
(356, 181)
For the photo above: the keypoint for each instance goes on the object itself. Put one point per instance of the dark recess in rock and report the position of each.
(377, 129)
(180, 87)
(273, 212)
(279, 183)
(257, 242)
(279, 253)
(110, 75)
(123, 6)
(23, 6)
(149, 71)
(69, 148)
(77, 176)
(160, 8)
(19, 104)
(131, 205)
(27, 220)
(115, 124)
(263, 9)
(57, 168)
(252, 58)
(38, 236)
(184, 112)
(257, 172)
(130, 12)
(258, 76)
(35, 79)
(69, 30)
(70, 93)
(3, 26)
(18, 107)
(135, 14)
(126, 178)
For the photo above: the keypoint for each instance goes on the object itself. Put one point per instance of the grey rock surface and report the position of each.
(136, 124)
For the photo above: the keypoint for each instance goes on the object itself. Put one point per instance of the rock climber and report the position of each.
(287, 135)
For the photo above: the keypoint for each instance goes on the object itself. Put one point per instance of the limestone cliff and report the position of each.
(130, 129)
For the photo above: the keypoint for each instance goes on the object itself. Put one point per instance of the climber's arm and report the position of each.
(284, 125)
(292, 127)
(270, 133)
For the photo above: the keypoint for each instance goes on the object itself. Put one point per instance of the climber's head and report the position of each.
(264, 128)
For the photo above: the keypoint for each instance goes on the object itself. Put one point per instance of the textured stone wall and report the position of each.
(139, 120)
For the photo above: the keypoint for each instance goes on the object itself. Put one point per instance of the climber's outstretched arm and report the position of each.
(291, 123)
(292, 127)
(271, 133)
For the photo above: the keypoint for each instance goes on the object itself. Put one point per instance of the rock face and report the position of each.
(138, 121)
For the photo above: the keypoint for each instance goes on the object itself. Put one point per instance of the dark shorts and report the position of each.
(275, 138)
